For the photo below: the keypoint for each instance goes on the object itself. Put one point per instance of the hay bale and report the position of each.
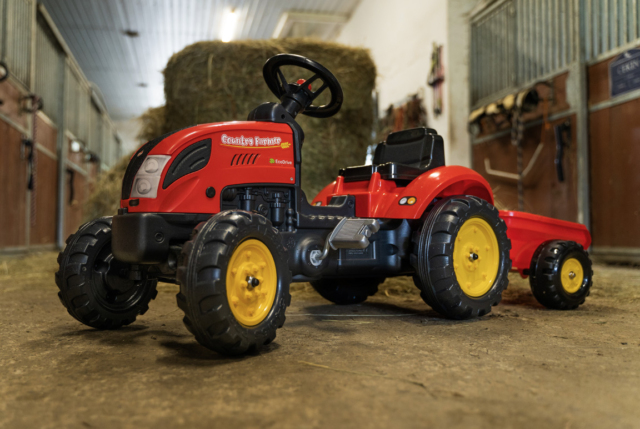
(105, 195)
(153, 124)
(215, 82)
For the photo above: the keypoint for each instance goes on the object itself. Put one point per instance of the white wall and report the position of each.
(458, 51)
(400, 36)
(128, 131)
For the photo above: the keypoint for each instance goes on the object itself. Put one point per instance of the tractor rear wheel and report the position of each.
(347, 291)
(97, 289)
(461, 257)
(234, 282)
(561, 275)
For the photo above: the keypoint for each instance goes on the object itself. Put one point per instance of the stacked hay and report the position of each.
(105, 195)
(215, 81)
(153, 124)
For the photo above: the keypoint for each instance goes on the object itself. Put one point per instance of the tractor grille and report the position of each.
(244, 158)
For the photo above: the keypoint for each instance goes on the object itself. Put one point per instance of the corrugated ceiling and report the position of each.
(122, 65)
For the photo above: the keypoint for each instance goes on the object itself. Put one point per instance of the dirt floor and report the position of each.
(391, 362)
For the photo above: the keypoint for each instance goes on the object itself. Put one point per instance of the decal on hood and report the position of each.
(255, 142)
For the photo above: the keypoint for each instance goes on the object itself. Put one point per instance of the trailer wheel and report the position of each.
(234, 282)
(561, 275)
(96, 288)
(347, 291)
(462, 257)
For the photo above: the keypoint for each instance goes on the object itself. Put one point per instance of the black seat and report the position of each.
(403, 157)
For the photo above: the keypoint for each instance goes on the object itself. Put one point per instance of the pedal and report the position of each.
(351, 233)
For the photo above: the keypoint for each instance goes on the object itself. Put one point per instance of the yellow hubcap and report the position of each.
(252, 282)
(476, 257)
(571, 275)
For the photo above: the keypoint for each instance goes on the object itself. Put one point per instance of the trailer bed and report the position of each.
(528, 231)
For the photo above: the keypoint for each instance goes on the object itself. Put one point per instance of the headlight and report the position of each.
(145, 185)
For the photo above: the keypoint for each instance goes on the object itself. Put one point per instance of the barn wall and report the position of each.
(544, 194)
(602, 185)
(39, 63)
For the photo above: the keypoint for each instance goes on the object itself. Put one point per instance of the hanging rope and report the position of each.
(436, 78)
(517, 137)
(32, 157)
(517, 131)
(34, 175)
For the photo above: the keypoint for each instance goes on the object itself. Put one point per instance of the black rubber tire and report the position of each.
(345, 291)
(432, 257)
(88, 275)
(202, 274)
(544, 274)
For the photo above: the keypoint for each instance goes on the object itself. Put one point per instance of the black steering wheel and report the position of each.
(298, 97)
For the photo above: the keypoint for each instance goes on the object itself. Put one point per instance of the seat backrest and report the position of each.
(421, 148)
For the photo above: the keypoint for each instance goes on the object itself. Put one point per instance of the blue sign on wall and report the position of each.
(624, 73)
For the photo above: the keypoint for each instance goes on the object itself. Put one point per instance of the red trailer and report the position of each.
(528, 232)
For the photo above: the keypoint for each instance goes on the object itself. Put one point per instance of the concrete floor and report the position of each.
(391, 362)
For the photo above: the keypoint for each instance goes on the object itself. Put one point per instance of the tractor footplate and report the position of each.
(348, 234)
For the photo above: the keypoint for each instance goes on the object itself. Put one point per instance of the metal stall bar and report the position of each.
(561, 31)
(61, 135)
(547, 47)
(49, 67)
(633, 20)
(595, 18)
(582, 116)
(494, 42)
(530, 39)
(3, 27)
(589, 49)
(624, 31)
(19, 39)
(604, 16)
(556, 33)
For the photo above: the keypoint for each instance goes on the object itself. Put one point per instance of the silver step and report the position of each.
(350, 233)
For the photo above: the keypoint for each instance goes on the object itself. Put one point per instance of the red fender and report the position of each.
(379, 198)
(440, 182)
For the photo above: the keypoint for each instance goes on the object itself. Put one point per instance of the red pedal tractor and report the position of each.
(218, 209)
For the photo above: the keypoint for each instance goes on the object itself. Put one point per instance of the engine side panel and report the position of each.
(242, 152)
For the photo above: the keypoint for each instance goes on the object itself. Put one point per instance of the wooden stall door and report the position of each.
(615, 176)
(614, 143)
(43, 225)
(13, 189)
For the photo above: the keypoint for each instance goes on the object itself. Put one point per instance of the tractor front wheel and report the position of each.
(97, 289)
(234, 282)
